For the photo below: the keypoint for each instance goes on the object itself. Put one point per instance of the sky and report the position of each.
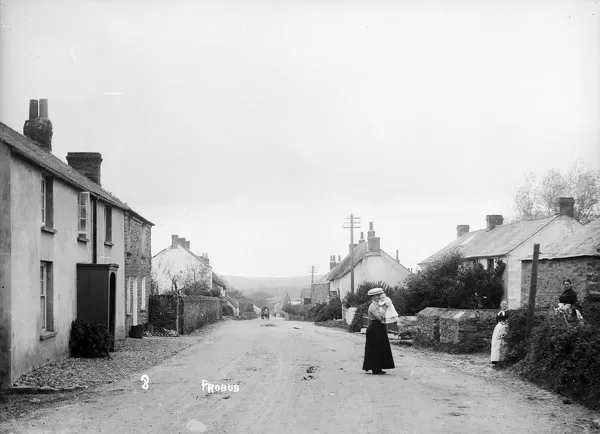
(253, 128)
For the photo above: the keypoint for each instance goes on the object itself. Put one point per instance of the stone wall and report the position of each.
(428, 324)
(183, 313)
(584, 273)
(199, 311)
(138, 266)
(407, 325)
(163, 311)
(468, 328)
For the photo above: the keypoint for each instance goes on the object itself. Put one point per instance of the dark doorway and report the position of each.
(112, 308)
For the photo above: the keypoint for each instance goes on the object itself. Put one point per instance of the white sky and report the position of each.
(252, 128)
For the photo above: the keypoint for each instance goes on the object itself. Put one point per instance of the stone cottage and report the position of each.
(575, 256)
(138, 269)
(510, 243)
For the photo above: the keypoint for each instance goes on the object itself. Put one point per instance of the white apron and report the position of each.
(498, 341)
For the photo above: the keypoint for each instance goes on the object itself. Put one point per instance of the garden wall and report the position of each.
(183, 314)
(428, 324)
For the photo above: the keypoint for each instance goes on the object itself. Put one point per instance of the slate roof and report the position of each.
(47, 161)
(233, 302)
(344, 267)
(496, 242)
(217, 280)
(585, 242)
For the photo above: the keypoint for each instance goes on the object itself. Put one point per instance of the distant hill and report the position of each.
(276, 286)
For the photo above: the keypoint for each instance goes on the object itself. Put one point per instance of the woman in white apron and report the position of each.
(499, 332)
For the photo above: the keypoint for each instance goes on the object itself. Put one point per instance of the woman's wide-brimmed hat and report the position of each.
(375, 291)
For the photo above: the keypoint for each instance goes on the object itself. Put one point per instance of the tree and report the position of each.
(538, 196)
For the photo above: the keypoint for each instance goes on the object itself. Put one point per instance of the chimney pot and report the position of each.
(493, 221)
(33, 109)
(174, 239)
(39, 128)
(566, 206)
(43, 108)
(397, 257)
(339, 258)
(86, 163)
(461, 230)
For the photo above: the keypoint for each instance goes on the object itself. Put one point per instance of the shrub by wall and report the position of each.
(89, 339)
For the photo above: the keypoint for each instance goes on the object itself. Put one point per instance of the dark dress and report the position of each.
(378, 352)
(502, 316)
(568, 297)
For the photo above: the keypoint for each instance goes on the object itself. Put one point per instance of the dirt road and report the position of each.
(294, 377)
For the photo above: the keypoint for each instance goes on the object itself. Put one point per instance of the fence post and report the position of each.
(532, 289)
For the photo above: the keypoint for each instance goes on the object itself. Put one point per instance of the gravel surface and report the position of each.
(132, 355)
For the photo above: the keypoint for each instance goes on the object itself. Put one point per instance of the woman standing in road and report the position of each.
(499, 332)
(378, 353)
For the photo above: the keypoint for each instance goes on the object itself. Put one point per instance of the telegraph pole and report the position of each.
(354, 223)
(312, 272)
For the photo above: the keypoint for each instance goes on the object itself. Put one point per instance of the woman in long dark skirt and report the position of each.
(378, 352)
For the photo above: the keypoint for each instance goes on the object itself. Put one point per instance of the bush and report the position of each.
(590, 309)
(516, 341)
(293, 309)
(226, 310)
(565, 359)
(448, 283)
(89, 339)
(329, 311)
(316, 310)
(356, 323)
(360, 295)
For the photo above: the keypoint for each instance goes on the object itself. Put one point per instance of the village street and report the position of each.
(295, 377)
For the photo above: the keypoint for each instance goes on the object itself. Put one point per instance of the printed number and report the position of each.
(146, 380)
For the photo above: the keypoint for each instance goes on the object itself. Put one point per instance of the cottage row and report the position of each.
(568, 250)
(69, 249)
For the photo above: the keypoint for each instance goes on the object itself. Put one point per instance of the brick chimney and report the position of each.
(371, 232)
(174, 242)
(566, 206)
(350, 247)
(493, 221)
(373, 245)
(362, 238)
(38, 127)
(187, 245)
(332, 263)
(86, 163)
(181, 241)
(461, 230)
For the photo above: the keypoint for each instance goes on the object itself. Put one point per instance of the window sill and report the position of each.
(108, 243)
(48, 230)
(82, 239)
(47, 335)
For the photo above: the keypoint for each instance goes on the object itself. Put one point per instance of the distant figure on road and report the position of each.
(378, 353)
(499, 332)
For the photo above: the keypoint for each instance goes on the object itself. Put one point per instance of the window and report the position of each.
(83, 203)
(47, 209)
(43, 201)
(43, 292)
(46, 305)
(143, 303)
(129, 292)
(108, 224)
